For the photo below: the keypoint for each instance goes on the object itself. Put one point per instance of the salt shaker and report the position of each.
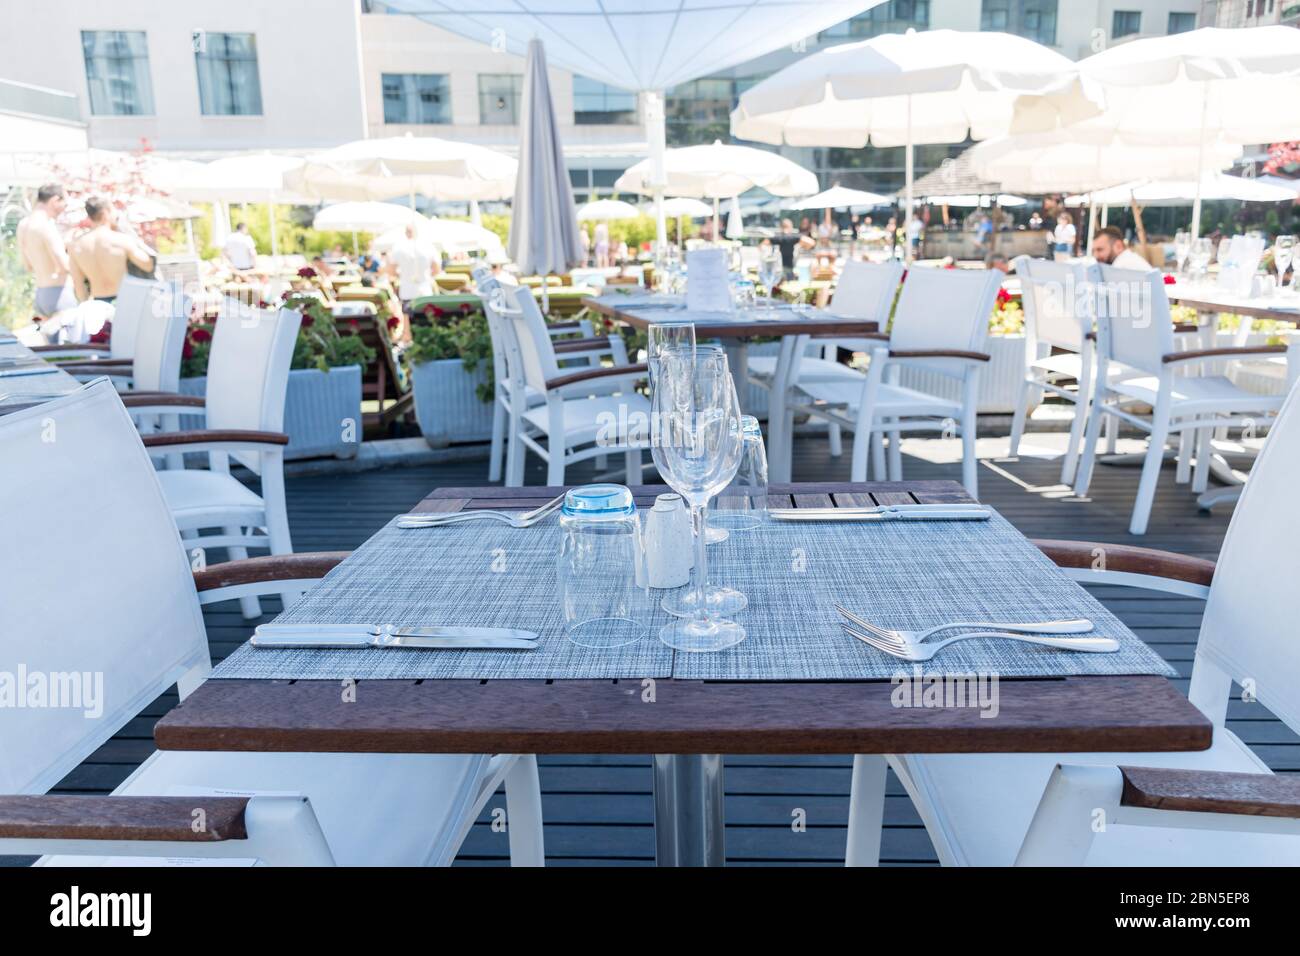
(669, 543)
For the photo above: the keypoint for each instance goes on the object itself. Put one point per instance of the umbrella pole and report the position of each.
(354, 242)
(717, 235)
(189, 236)
(654, 115)
(1092, 217)
(275, 241)
(1200, 163)
(908, 171)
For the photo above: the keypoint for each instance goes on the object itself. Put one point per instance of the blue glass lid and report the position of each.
(599, 501)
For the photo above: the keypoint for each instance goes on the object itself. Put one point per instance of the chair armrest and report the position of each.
(205, 438)
(274, 567)
(137, 399)
(563, 326)
(939, 353)
(600, 342)
(1225, 352)
(608, 371)
(1183, 328)
(73, 349)
(122, 818)
(96, 368)
(1211, 791)
(1129, 559)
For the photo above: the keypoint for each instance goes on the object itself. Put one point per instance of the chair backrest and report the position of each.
(97, 602)
(160, 340)
(133, 302)
(535, 351)
(865, 290)
(1057, 298)
(1248, 630)
(944, 309)
(499, 329)
(248, 367)
(1136, 326)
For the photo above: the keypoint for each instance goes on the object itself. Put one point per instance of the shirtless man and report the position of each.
(41, 246)
(99, 256)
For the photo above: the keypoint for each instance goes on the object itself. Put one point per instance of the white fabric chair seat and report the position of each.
(1066, 363)
(586, 418)
(193, 494)
(892, 401)
(763, 367)
(983, 805)
(1214, 392)
(443, 787)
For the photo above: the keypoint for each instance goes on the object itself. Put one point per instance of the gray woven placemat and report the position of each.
(896, 575)
(17, 389)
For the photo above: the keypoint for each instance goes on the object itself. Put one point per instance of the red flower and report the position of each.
(437, 312)
(263, 304)
(1003, 296)
(307, 320)
(1169, 280)
(354, 325)
(394, 323)
(466, 308)
(430, 309)
(104, 333)
(187, 350)
(200, 335)
(306, 272)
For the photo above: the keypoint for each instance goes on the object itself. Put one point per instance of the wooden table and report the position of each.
(39, 387)
(690, 723)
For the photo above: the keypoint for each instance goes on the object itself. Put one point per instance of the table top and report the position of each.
(821, 323)
(24, 391)
(1079, 714)
(1282, 308)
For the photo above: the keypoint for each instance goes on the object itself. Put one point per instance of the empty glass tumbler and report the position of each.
(600, 548)
(742, 505)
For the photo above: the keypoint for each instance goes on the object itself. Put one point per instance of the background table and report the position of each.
(690, 723)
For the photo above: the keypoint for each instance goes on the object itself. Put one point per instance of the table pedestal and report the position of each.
(688, 810)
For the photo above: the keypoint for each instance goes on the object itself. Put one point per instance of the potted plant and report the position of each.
(450, 363)
(322, 409)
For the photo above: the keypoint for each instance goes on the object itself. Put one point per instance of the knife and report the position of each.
(370, 635)
(931, 513)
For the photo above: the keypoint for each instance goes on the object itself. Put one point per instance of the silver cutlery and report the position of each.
(513, 518)
(938, 512)
(28, 370)
(1080, 625)
(441, 637)
(908, 645)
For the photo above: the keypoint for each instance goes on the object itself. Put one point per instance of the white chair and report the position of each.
(1057, 299)
(134, 297)
(1136, 335)
(940, 325)
(864, 291)
(248, 373)
(117, 551)
(575, 422)
(586, 350)
(1221, 806)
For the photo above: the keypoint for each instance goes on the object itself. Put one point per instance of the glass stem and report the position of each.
(701, 564)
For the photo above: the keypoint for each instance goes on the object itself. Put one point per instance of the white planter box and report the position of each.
(322, 410)
(999, 379)
(447, 403)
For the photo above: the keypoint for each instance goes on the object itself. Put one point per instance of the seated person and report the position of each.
(1108, 247)
(323, 269)
(996, 260)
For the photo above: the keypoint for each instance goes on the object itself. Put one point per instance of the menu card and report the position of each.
(1237, 272)
(708, 285)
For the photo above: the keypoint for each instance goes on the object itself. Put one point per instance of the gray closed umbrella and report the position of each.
(543, 227)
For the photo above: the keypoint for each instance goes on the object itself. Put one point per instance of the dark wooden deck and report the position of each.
(598, 808)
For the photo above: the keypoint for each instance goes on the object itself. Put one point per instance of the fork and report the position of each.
(1074, 626)
(514, 519)
(910, 651)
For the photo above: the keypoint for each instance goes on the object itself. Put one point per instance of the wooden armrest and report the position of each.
(100, 362)
(206, 436)
(122, 818)
(95, 368)
(84, 347)
(609, 371)
(138, 399)
(1130, 559)
(1180, 327)
(939, 353)
(1211, 791)
(561, 326)
(581, 345)
(1225, 351)
(274, 567)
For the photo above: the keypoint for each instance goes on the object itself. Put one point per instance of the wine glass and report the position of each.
(1182, 247)
(1283, 256)
(697, 439)
(662, 337)
(770, 271)
(1201, 252)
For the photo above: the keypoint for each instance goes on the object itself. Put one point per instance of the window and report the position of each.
(699, 111)
(893, 16)
(1033, 19)
(228, 81)
(1125, 23)
(498, 98)
(417, 98)
(597, 104)
(1182, 22)
(117, 72)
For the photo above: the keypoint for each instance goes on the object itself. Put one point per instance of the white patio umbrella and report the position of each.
(639, 46)
(841, 197)
(355, 217)
(543, 228)
(1181, 192)
(937, 86)
(1200, 88)
(374, 169)
(971, 200)
(257, 177)
(607, 209)
(680, 207)
(450, 235)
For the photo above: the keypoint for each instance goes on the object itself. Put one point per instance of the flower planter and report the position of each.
(322, 411)
(447, 405)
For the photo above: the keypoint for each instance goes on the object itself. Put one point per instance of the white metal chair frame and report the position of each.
(148, 635)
